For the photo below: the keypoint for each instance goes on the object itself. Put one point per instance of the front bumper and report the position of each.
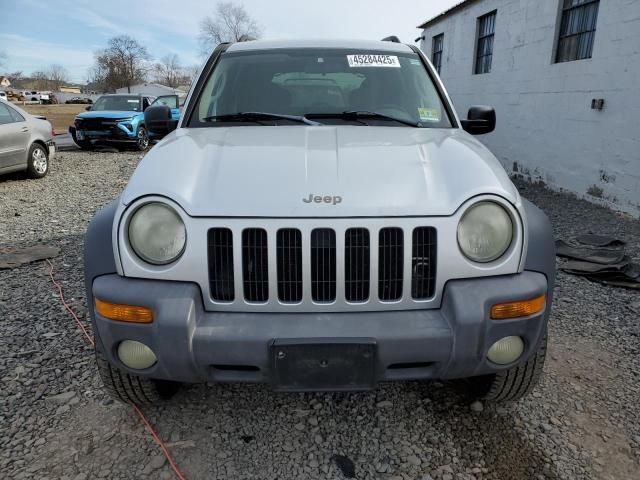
(194, 345)
(51, 147)
(117, 133)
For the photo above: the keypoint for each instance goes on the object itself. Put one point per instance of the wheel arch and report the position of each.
(40, 142)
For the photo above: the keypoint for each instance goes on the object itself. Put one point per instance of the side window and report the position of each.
(170, 101)
(15, 115)
(145, 103)
(5, 115)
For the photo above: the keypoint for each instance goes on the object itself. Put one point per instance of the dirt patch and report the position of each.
(583, 364)
(60, 116)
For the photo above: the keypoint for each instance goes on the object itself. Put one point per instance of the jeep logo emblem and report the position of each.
(333, 200)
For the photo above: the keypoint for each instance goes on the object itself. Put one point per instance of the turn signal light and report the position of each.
(522, 308)
(123, 313)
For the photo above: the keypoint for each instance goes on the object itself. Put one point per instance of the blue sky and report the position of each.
(37, 33)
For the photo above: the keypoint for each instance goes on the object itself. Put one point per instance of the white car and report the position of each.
(26, 141)
(3, 95)
(34, 96)
(319, 218)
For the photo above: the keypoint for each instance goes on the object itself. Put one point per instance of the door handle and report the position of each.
(25, 129)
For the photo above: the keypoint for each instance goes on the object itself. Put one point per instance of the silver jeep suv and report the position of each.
(319, 219)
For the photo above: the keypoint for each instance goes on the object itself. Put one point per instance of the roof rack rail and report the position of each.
(391, 38)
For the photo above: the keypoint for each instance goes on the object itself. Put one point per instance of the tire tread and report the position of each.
(513, 384)
(125, 387)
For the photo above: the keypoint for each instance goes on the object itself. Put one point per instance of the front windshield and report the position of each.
(117, 102)
(322, 82)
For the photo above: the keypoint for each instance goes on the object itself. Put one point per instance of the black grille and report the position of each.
(96, 124)
(220, 246)
(255, 266)
(356, 265)
(289, 246)
(423, 263)
(390, 261)
(323, 265)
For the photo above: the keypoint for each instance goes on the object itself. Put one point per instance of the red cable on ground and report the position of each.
(159, 442)
(146, 422)
(66, 306)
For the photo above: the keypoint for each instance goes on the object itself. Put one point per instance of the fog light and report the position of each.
(506, 350)
(136, 355)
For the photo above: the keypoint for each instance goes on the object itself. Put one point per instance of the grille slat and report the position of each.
(356, 265)
(304, 272)
(289, 259)
(255, 268)
(423, 263)
(323, 265)
(221, 276)
(390, 266)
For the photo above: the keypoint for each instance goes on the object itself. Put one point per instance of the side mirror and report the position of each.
(480, 120)
(158, 120)
(88, 108)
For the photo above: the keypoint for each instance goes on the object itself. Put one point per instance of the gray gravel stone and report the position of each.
(62, 398)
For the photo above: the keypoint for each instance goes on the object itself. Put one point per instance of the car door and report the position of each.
(14, 137)
(172, 102)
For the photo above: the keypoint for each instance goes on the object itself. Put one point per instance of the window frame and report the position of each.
(437, 40)
(16, 115)
(480, 42)
(563, 12)
(11, 117)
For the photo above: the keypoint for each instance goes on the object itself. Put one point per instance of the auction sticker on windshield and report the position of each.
(373, 61)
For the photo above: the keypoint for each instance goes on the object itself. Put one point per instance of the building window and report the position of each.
(484, 48)
(436, 51)
(577, 29)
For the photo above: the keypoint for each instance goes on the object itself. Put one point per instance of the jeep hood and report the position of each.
(267, 171)
(111, 114)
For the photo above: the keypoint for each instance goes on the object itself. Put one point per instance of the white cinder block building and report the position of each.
(564, 78)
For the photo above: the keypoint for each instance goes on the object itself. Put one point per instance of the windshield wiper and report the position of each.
(255, 116)
(358, 115)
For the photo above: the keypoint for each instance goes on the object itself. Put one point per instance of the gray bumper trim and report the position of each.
(449, 342)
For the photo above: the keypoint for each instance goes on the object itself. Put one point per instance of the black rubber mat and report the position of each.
(601, 259)
(602, 241)
(587, 254)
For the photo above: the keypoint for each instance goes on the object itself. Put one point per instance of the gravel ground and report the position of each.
(582, 422)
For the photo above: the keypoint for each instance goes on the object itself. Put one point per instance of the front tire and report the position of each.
(515, 383)
(128, 388)
(142, 139)
(38, 161)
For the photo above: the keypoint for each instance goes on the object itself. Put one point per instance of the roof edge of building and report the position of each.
(446, 13)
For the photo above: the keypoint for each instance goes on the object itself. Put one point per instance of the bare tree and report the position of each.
(40, 80)
(190, 74)
(58, 76)
(229, 23)
(168, 71)
(3, 58)
(123, 63)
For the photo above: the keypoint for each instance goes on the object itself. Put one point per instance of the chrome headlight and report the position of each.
(157, 233)
(485, 232)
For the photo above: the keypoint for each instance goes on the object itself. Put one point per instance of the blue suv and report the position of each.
(116, 119)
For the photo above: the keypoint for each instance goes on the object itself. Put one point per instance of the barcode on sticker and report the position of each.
(373, 61)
